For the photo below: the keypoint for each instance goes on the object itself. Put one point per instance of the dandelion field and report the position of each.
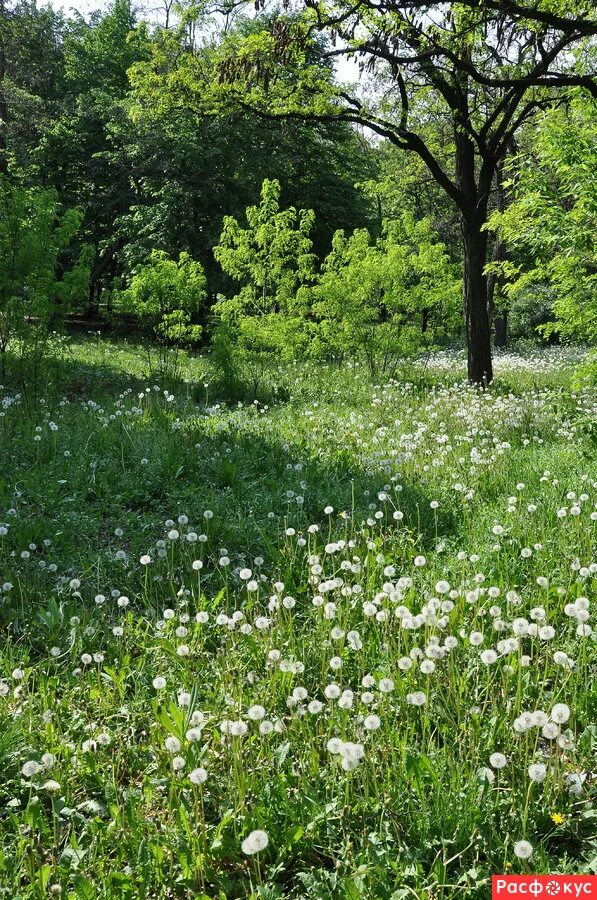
(333, 643)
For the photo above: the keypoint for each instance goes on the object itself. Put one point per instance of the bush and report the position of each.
(34, 236)
(387, 300)
(167, 294)
(273, 262)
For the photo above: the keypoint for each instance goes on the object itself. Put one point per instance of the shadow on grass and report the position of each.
(258, 475)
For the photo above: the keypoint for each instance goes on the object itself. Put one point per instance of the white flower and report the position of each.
(550, 731)
(159, 682)
(523, 850)
(255, 842)
(498, 760)
(172, 744)
(198, 776)
(52, 786)
(372, 723)
(31, 768)
(417, 698)
(537, 772)
(560, 713)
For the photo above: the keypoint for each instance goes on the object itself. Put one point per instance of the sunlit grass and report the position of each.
(332, 643)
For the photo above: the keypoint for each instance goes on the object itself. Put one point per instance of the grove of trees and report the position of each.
(217, 175)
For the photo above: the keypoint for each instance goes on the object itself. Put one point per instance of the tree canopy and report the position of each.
(165, 140)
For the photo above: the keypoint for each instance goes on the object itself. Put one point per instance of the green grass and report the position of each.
(422, 466)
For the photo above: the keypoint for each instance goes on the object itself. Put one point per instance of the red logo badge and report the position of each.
(580, 887)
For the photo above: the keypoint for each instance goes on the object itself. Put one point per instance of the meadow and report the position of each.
(331, 639)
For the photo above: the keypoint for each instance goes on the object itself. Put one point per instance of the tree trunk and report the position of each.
(473, 214)
(478, 333)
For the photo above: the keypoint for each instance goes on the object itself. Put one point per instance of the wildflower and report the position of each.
(497, 760)
(557, 818)
(372, 723)
(537, 772)
(52, 786)
(198, 776)
(523, 849)
(255, 842)
(417, 698)
(560, 713)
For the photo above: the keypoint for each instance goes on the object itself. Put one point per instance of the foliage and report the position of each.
(552, 222)
(273, 262)
(426, 65)
(197, 598)
(38, 284)
(389, 299)
(167, 293)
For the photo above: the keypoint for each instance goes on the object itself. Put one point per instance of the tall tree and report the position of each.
(489, 64)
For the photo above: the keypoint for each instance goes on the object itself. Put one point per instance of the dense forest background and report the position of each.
(138, 191)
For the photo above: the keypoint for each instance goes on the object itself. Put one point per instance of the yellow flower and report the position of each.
(557, 818)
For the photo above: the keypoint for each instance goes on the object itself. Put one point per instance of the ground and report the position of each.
(352, 616)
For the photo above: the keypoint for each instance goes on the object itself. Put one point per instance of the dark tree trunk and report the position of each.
(478, 333)
(474, 189)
